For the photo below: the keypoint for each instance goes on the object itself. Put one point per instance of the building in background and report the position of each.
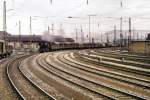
(24, 41)
(2, 34)
(140, 46)
(32, 41)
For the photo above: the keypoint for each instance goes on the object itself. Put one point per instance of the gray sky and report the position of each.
(107, 12)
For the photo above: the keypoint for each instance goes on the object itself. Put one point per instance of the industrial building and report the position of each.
(141, 47)
(24, 41)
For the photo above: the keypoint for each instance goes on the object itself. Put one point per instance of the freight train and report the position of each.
(4, 50)
(49, 46)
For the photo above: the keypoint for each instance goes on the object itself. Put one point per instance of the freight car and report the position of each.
(4, 50)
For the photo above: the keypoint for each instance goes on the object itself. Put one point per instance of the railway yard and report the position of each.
(75, 75)
(87, 50)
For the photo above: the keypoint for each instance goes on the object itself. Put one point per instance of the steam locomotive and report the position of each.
(45, 46)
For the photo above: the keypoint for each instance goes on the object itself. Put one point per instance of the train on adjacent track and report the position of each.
(45, 46)
(5, 50)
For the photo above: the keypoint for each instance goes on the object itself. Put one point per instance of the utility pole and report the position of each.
(31, 31)
(107, 37)
(4, 17)
(48, 30)
(125, 39)
(101, 38)
(137, 36)
(115, 36)
(82, 35)
(99, 32)
(51, 1)
(133, 34)
(60, 29)
(30, 25)
(52, 27)
(121, 35)
(89, 29)
(4, 26)
(141, 37)
(20, 34)
(129, 40)
(76, 34)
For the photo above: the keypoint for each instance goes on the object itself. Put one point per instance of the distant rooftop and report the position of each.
(34, 38)
(2, 34)
(24, 38)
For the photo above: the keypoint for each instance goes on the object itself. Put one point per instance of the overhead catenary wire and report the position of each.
(113, 17)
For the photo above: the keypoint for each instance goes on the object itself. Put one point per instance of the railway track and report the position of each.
(128, 85)
(125, 72)
(53, 85)
(118, 55)
(6, 90)
(126, 62)
(71, 75)
(110, 92)
(135, 76)
(127, 68)
(85, 91)
(72, 61)
(48, 81)
(25, 89)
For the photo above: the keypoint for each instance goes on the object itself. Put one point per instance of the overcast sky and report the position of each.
(44, 13)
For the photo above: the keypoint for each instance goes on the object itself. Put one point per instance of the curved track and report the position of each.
(108, 73)
(24, 87)
(113, 64)
(71, 81)
(69, 75)
(121, 90)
